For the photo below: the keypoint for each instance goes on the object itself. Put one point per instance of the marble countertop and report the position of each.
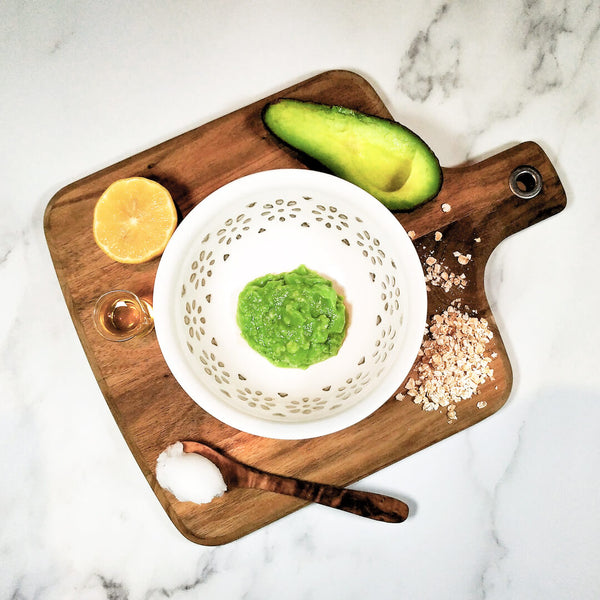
(509, 508)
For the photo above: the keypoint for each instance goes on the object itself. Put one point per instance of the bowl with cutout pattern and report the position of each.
(272, 222)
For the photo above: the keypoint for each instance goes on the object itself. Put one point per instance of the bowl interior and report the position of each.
(273, 222)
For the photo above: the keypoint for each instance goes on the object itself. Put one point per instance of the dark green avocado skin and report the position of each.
(379, 155)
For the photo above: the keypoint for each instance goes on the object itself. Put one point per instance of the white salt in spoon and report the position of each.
(364, 504)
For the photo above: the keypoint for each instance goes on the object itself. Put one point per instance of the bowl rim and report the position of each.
(164, 312)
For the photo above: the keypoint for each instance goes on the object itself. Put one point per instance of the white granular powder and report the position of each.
(189, 476)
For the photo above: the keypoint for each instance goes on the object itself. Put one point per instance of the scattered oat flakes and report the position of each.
(439, 276)
(452, 363)
(478, 239)
(451, 413)
(446, 207)
(463, 259)
(411, 234)
(481, 404)
(438, 236)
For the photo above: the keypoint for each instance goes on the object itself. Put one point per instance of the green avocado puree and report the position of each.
(294, 319)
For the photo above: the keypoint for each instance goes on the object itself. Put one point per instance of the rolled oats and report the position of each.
(438, 276)
(452, 363)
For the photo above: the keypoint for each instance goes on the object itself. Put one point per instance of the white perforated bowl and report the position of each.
(272, 222)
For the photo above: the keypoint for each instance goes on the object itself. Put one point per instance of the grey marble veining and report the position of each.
(432, 61)
(506, 509)
(510, 60)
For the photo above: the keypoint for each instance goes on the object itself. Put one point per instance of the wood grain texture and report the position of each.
(364, 504)
(148, 405)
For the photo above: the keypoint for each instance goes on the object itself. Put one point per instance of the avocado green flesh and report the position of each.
(383, 157)
(293, 319)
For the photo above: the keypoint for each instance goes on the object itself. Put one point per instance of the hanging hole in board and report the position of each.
(525, 182)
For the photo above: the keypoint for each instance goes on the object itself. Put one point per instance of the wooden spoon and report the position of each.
(364, 504)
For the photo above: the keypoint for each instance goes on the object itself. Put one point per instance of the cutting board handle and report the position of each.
(480, 197)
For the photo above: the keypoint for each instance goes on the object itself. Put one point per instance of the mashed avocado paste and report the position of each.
(294, 319)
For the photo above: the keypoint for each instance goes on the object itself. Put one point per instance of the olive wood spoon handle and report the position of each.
(364, 504)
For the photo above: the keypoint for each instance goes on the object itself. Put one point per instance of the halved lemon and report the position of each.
(134, 219)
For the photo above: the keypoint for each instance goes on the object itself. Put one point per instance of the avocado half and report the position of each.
(379, 155)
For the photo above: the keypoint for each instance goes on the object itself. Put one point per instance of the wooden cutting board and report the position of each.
(148, 405)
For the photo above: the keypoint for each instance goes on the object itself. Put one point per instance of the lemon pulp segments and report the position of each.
(134, 219)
